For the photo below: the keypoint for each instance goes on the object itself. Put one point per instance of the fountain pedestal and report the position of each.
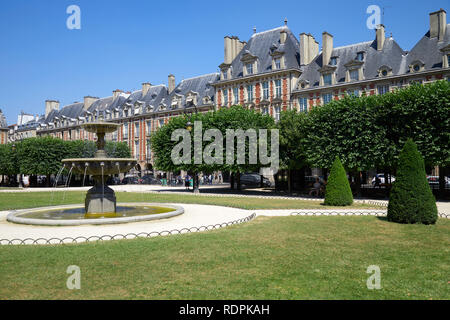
(100, 199)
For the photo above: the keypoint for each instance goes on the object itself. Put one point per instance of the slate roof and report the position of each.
(70, 111)
(261, 45)
(154, 96)
(428, 51)
(391, 55)
(202, 85)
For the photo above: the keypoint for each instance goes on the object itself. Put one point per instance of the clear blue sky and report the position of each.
(124, 43)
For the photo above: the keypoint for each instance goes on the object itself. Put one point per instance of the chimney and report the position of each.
(381, 36)
(283, 36)
(50, 105)
(116, 93)
(438, 24)
(88, 101)
(171, 83)
(145, 88)
(309, 48)
(228, 50)
(327, 47)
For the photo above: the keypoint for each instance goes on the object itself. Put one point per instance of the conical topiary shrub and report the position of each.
(338, 192)
(411, 199)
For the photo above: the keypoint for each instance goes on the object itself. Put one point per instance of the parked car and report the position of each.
(149, 179)
(434, 181)
(254, 180)
(130, 180)
(382, 180)
(309, 180)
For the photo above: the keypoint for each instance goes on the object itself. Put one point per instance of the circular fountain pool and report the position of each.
(73, 215)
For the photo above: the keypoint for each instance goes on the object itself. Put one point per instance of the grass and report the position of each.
(18, 200)
(268, 258)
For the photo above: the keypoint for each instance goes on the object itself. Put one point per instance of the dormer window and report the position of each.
(354, 75)
(224, 75)
(249, 68)
(333, 61)
(360, 56)
(303, 84)
(327, 79)
(416, 66)
(277, 63)
(384, 71)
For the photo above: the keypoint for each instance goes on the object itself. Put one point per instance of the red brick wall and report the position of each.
(219, 98)
(241, 95)
(257, 93)
(284, 92)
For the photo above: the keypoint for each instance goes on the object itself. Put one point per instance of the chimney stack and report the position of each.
(381, 36)
(145, 88)
(438, 24)
(88, 101)
(232, 47)
(171, 78)
(50, 105)
(309, 48)
(283, 36)
(327, 47)
(116, 93)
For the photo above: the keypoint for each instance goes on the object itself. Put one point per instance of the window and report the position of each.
(360, 56)
(148, 126)
(125, 130)
(416, 67)
(277, 88)
(250, 93)
(249, 67)
(236, 95)
(225, 97)
(384, 73)
(266, 90)
(224, 75)
(354, 92)
(277, 63)
(326, 98)
(448, 60)
(327, 79)
(149, 149)
(136, 129)
(333, 61)
(354, 75)
(161, 122)
(265, 110)
(136, 149)
(114, 136)
(277, 113)
(303, 103)
(383, 89)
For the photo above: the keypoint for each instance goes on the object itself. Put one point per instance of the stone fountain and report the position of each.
(100, 199)
(100, 202)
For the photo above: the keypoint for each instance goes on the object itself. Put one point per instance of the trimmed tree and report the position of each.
(411, 199)
(338, 192)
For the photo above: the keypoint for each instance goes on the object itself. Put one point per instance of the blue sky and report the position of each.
(124, 43)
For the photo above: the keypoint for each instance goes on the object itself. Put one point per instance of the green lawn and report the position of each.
(268, 258)
(17, 200)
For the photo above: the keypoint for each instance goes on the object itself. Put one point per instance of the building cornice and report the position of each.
(256, 76)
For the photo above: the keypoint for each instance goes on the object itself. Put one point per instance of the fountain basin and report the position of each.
(93, 166)
(74, 215)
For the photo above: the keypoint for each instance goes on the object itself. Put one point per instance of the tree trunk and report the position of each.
(232, 180)
(289, 181)
(386, 175)
(238, 180)
(442, 181)
(358, 183)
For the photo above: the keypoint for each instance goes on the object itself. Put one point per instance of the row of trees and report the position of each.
(364, 132)
(43, 155)
(369, 132)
